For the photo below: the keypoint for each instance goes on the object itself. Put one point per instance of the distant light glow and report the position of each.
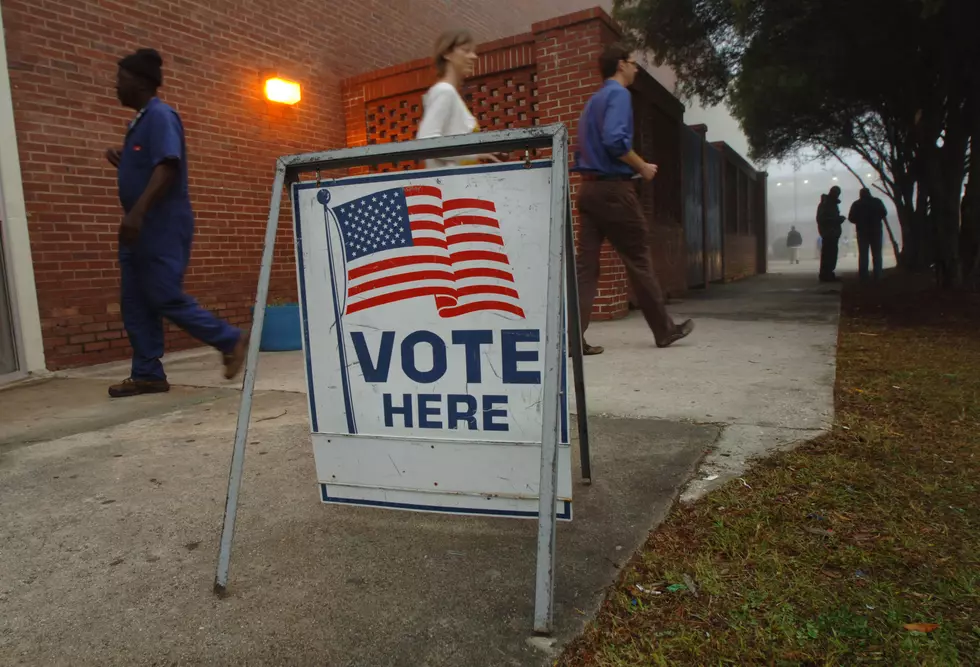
(806, 182)
(282, 91)
(779, 185)
(835, 178)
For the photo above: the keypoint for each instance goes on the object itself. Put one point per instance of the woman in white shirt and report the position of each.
(444, 111)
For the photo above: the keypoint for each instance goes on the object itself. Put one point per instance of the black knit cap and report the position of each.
(145, 63)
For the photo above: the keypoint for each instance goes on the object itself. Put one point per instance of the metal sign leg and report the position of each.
(575, 346)
(544, 592)
(248, 388)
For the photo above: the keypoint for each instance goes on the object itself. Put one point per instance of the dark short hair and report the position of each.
(611, 56)
(146, 64)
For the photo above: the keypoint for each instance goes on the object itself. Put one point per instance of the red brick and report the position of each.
(63, 54)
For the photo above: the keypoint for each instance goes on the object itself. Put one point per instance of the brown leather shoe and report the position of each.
(130, 387)
(236, 358)
(682, 331)
(591, 350)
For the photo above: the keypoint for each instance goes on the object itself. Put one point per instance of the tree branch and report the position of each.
(837, 156)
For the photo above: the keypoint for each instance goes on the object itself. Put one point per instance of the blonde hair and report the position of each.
(447, 42)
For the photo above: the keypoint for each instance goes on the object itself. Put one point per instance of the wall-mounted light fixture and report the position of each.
(282, 91)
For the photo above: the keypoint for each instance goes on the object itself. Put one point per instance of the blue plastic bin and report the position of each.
(281, 331)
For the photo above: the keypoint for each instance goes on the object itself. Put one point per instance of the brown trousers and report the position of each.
(611, 210)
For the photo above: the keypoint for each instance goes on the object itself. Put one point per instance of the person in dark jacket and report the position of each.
(868, 213)
(829, 223)
(793, 241)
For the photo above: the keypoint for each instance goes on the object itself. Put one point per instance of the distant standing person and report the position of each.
(829, 222)
(868, 214)
(794, 240)
(156, 232)
(608, 202)
(444, 112)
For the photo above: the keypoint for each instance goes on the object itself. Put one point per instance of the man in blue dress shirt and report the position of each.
(156, 233)
(608, 204)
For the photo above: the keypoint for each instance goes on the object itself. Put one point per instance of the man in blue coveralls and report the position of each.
(156, 233)
(608, 204)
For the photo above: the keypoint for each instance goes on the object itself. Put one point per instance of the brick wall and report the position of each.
(62, 55)
(541, 77)
(566, 53)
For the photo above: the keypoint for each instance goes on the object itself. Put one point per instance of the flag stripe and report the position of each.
(457, 204)
(399, 279)
(463, 274)
(424, 209)
(475, 238)
(487, 289)
(483, 305)
(396, 262)
(430, 243)
(391, 297)
(426, 226)
(459, 220)
(477, 256)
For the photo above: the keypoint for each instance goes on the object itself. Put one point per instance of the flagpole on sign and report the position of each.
(248, 386)
(575, 346)
(544, 592)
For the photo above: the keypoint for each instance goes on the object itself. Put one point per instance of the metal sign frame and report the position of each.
(560, 256)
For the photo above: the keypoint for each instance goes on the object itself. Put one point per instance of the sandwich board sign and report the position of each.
(433, 308)
(423, 298)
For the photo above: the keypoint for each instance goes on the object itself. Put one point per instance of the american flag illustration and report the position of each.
(408, 243)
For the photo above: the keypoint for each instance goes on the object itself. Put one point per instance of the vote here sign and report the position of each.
(423, 300)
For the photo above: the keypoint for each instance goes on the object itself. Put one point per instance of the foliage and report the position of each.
(886, 79)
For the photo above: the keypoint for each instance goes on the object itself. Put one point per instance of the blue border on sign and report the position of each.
(382, 178)
(564, 515)
(298, 235)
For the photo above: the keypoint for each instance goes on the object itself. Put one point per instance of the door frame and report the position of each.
(21, 287)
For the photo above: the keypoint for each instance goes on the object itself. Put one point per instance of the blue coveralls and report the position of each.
(153, 269)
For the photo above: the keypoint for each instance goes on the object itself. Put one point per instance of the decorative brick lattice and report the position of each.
(505, 100)
(498, 101)
(394, 119)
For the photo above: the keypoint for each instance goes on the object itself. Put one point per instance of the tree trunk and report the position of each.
(918, 243)
(946, 219)
(970, 235)
(944, 169)
(970, 210)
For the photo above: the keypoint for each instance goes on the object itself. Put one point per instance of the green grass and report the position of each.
(824, 554)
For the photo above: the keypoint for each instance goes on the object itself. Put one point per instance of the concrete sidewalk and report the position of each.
(112, 509)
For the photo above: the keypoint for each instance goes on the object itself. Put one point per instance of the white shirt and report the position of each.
(445, 114)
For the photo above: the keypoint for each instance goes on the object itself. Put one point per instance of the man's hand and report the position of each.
(129, 230)
(113, 155)
(490, 157)
(648, 171)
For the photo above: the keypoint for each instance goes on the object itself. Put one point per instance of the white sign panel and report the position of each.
(423, 298)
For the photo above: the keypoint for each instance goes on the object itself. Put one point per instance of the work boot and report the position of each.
(682, 331)
(130, 387)
(591, 350)
(236, 358)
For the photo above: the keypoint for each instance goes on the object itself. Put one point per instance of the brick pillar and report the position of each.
(567, 53)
